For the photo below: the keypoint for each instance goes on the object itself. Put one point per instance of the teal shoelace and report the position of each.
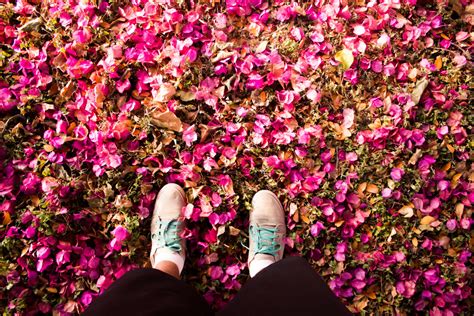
(167, 235)
(266, 240)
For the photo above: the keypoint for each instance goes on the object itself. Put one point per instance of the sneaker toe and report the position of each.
(170, 201)
(267, 209)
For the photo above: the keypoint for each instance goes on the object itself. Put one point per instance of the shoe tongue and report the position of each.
(264, 256)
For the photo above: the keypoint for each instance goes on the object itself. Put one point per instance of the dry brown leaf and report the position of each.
(414, 158)
(234, 231)
(6, 218)
(362, 304)
(167, 120)
(406, 211)
(372, 188)
(186, 96)
(362, 188)
(459, 210)
(371, 292)
(418, 91)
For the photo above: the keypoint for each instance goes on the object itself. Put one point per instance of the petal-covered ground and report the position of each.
(358, 114)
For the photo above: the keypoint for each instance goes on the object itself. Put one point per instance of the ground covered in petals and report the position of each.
(357, 114)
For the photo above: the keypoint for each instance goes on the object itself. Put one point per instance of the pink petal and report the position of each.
(359, 30)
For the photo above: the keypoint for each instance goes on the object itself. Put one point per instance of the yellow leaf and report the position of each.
(345, 57)
(450, 148)
(455, 180)
(296, 217)
(371, 295)
(427, 220)
(305, 218)
(447, 166)
(52, 290)
(338, 223)
(261, 47)
(48, 148)
(438, 63)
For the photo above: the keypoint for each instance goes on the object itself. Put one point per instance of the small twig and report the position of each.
(6, 123)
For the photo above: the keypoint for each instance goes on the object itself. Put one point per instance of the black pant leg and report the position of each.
(288, 287)
(148, 292)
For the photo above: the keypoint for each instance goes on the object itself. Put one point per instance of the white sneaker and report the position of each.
(167, 225)
(267, 231)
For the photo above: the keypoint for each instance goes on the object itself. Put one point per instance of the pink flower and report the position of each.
(396, 174)
(48, 184)
(348, 118)
(62, 257)
(233, 270)
(441, 131)
(465, 223)
(220, 20)
(377, 66)
(255, 81)
(82, 36)
(30, 183)
(406, 288)
(123, 85)
(386, 193)
(297, 33)
(460, 61)
(6, 101)
(359, 30)
(215, 272)
(351, 157)
(86, 298)
(43, 264)
(43, 252)
(189, 135)
(317, 228)
(120, 233)
(131, 105)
